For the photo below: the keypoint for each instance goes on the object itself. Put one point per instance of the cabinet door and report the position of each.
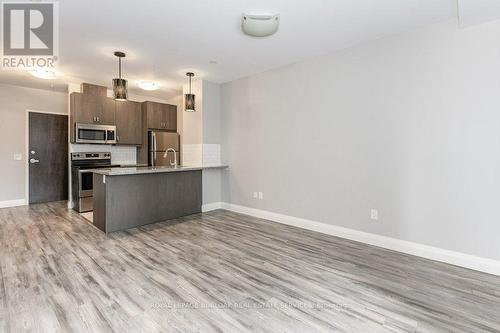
(106, 111)
(83, 109)
(128, 123)
(154, 115)
(92, 109)
(171, 118)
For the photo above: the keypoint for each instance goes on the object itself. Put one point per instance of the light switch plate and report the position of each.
(18, 157)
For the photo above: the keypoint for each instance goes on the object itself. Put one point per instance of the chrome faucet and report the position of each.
(174, 163)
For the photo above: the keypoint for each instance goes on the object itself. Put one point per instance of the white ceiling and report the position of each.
(472, 12)
(164, 39)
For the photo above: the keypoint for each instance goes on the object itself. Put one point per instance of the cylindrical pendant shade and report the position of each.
(120, 89)
(189, 103)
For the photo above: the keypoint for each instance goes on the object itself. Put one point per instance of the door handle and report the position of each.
(33, 161)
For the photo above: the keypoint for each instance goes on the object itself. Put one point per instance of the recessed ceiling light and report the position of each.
(148, 85)
(260, 25)
(43, 73)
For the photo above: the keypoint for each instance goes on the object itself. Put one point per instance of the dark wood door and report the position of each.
(128, 123)
(48, 157)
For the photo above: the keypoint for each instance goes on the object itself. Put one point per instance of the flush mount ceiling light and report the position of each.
(189, 98)
(119, 84)
(260, 25)
(148, 85)
(43, 73)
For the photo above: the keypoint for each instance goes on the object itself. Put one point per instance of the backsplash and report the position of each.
(191, 154)
(206, 154)
(211, 154)
(119, 154)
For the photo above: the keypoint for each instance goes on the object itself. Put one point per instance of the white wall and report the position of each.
(192, 127)
(211, 150)
(408, 124)
(14, 102)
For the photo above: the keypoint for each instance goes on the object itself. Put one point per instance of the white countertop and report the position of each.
(148, 170)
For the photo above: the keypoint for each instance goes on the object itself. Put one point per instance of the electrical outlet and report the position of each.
(18, 157)
(255, 195)
(261, 196)
(374, 214)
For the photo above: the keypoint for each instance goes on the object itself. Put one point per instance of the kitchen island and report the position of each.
(130, 197)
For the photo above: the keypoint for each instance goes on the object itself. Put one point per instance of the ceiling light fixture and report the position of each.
(119, 84)
(43, 73)
(148, 85)
(189, 98)
(260, 25)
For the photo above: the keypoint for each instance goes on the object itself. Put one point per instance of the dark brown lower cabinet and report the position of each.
(128, 201)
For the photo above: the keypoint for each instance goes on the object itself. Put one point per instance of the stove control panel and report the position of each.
(90, 156)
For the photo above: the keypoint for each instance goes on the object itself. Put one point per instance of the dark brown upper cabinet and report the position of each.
(93, 89)
(172, 118)
(161, 116)
(128, 123)
(92, 109)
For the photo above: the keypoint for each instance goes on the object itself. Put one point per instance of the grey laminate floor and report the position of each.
(223, 272)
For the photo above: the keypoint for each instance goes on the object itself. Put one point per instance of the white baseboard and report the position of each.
(211, 206)
(12, 203)
(429, 252)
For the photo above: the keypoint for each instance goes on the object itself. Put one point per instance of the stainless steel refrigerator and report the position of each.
(158, 143)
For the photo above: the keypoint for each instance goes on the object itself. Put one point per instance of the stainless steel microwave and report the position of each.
(90, 133)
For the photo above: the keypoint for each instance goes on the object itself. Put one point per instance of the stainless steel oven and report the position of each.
(90, 133)
(83, 178)
(85, 182)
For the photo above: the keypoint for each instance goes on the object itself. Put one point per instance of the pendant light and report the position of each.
(189, 98)
(120, 85)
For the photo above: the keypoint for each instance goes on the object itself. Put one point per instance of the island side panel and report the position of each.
(135, 200)
(99, 214)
